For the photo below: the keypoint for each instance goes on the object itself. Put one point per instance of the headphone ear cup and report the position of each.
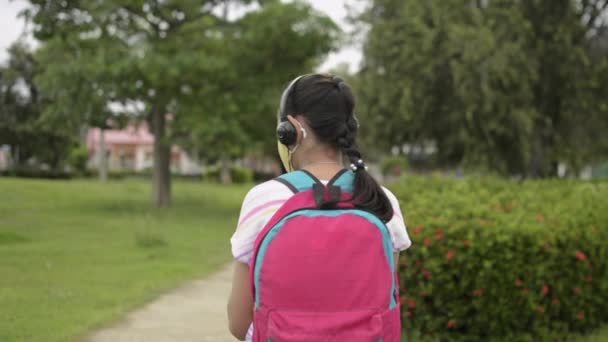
(286, 133)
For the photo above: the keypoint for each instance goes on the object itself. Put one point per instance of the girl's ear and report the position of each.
(301, 131)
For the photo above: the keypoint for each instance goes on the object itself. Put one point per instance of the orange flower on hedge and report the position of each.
(580, 315)
(478, 293)
(589, 279)
(546, 289)
(466, 243)
(540, 218)
(408, 314)
(427, 274)
(411, 303)
(451, 324)
(419, 263)
(555, 301)
(418, 230)
(438, 234)
(427, 242)
(581, 256)
(518, 282)
(577, 290)
(450, 255)
(484, 222)
(540, 309)
(403, 300)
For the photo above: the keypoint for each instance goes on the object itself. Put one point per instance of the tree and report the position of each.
(76, 93)
(21, 124)
(490, 83)
(266, 48)
(569, 85)
(175, 57)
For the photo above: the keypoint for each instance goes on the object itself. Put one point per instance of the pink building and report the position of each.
(132, 149)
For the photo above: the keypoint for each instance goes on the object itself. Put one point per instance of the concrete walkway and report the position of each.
(194, 312)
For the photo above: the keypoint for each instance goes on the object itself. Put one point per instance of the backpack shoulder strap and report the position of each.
(298, 181)
(302, 180)
(345, 180)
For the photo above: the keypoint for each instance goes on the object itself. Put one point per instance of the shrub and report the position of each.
(239, 175)
(394, 165)
(35, 172)
(78, 158)
(498, 260)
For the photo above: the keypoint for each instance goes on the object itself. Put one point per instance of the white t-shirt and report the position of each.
(262, 202)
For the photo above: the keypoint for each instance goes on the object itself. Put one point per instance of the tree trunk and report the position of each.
(225, 176)
(15, 160)
(535, 168)
(103, 156)
(162, 156)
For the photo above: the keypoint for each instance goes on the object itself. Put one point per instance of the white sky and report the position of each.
(11, 27)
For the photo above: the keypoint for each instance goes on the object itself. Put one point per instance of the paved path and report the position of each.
(194, 312)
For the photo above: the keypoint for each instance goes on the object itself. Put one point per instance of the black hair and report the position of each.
(327, 104)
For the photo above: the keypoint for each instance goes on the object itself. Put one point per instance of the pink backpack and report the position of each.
(324, 270)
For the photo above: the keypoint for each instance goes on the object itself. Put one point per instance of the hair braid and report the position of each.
(347, 143)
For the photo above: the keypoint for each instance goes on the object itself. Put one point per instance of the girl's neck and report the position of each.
(324, 170)
(321, 161)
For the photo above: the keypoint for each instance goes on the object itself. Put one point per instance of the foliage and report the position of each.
(216, 76)
(79, 260)
(494, 259)
(265, 49)
(242, 175)
(78, 158)
(394, 165)
(239, 175)
(513, 86)
(21, 124)
(26, 171)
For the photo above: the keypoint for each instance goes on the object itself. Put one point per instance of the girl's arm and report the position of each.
(240, 303)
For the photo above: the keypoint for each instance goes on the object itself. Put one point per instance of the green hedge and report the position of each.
(239, 175)
(500, 260)
(30, 172)
(394, 165)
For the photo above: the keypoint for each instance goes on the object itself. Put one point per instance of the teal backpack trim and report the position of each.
(299, 180)
(345, 181)
(302, 180)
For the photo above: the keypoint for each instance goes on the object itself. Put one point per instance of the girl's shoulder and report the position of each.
(267, 191)
(393, 199)
(259, 205)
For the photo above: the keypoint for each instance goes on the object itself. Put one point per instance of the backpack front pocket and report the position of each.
(352, 326)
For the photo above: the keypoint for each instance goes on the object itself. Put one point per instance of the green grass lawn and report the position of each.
(75, 255)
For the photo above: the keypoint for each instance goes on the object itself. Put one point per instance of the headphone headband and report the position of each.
(285, 97)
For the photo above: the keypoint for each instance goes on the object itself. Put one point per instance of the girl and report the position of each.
(317, 131)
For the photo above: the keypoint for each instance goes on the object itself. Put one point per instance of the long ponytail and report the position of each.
(368, 194)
